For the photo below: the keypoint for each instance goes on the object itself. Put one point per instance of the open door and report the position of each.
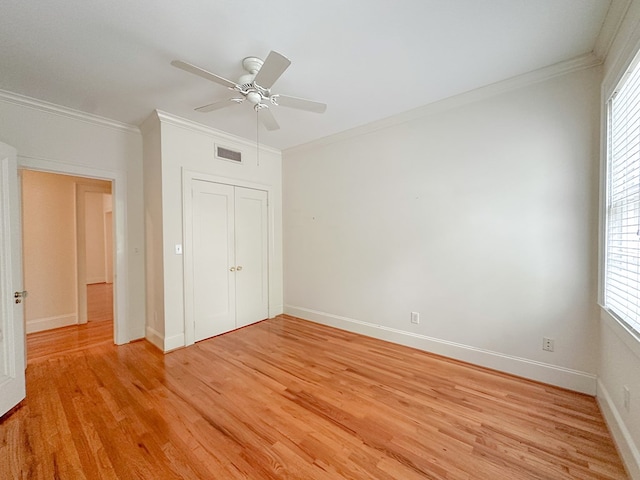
(12, 339)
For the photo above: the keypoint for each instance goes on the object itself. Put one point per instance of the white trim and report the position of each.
(155, 337)
(619, 62)
(176, 121)
(610, 27)
(47, 323)
(52, 108)
(276, 310)
(624, 441)
(173, 343)
(119, 192)
(542, 372)
(562, 68)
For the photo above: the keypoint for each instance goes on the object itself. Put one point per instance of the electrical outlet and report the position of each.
(626, 395)
(415, 317)
(547, 344)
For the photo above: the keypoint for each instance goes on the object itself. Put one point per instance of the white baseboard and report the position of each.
(41, 324)
(542, 372)
(171, 343)
(275, 310)
(624, 441)
(155, 337)
(166, 344)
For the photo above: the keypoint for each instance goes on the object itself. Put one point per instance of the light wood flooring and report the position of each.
(290, 399)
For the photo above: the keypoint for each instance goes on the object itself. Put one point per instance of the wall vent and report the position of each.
(228, 154)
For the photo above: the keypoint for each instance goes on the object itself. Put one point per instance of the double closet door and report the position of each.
(230, 263)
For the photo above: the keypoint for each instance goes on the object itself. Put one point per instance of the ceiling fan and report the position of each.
(255, 87)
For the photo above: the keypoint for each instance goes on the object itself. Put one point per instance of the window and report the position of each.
(622, 242)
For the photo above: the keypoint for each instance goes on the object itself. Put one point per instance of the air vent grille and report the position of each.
(228, 154)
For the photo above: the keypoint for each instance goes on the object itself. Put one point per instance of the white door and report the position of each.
(213, 259)
(12, 339)
(252, 285)
(229, 258)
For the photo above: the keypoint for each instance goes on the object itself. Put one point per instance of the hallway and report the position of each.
(60, 341)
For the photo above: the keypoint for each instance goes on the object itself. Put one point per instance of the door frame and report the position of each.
(81, 244)
(188, 176)
(118, 192)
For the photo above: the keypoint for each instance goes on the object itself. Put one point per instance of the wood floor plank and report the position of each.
(286, 398)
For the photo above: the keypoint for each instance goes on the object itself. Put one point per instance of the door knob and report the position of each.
(20, 295)
(239, 269)
(232, 269)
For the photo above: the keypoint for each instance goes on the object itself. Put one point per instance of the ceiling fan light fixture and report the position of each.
(255, 87)
(254, 97)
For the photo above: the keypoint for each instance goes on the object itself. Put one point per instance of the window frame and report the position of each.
(627, 72)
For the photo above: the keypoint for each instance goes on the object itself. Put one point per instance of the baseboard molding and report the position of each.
(275, 310)
(155, 337)
(626, 447)
(42, 324)
(542, 372)
(166, 344)
(172, 343)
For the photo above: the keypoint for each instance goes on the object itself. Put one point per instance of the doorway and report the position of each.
(67, 258)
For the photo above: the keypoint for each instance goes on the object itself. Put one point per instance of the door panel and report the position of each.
(213, 282)
(12, 339)
(252, 290)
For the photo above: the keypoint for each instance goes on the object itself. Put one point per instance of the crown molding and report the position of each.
(176, 121)
(610, 27)
(47, 107)
(546, 73)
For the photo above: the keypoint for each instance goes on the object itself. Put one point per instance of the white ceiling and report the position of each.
(367, 59)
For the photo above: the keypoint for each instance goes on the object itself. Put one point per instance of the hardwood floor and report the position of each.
(63, 341)
(100, 302)
(289, 399)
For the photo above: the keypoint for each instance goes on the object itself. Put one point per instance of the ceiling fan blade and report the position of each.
(268, 120)
(299, 103)
(271, 69)
(187, 67)
(220, 104)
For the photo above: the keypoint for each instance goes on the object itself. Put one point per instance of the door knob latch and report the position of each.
(19, 296)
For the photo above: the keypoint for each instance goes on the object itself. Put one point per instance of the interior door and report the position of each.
(12, 339)
(252, 284)
(214, 307)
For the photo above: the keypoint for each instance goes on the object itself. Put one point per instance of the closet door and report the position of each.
(252, 286)
(213, 259)
(228, 228)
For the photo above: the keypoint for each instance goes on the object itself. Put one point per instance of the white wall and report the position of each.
(480, 213)
(51, 138)
(179, 145)
(49, 250)
(619, 352)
